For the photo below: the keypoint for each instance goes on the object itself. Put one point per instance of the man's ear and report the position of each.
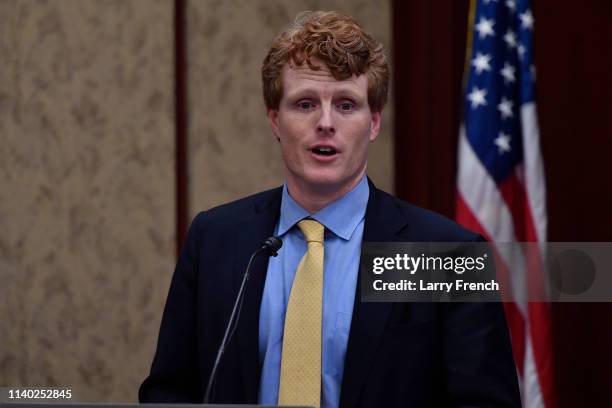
(273, 119)
(375, 125)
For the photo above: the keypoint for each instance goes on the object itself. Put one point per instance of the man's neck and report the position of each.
(314, 198)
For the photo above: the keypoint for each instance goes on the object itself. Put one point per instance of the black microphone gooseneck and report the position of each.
(270, 247)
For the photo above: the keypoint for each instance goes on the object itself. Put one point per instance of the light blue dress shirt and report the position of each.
(343, 220)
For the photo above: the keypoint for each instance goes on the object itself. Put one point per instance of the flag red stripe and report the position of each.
(514, 194)
(465, 217)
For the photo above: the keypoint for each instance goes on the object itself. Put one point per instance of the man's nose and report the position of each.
(326, 124)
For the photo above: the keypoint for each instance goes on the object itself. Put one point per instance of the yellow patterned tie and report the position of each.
(300, 379)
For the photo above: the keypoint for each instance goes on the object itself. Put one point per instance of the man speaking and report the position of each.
(304, 336)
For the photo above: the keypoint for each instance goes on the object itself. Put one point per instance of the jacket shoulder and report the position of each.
(428, 225)
(237, 210)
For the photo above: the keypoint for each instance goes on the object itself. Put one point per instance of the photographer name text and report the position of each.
(424, 286)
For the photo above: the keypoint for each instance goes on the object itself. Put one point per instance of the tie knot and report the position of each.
(312, 230)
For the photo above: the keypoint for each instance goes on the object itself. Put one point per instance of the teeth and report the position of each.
(324, 150)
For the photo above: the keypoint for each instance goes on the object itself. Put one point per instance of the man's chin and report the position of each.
(325, 183)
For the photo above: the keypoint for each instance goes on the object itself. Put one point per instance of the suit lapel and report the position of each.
(252, 233)
(382, 221)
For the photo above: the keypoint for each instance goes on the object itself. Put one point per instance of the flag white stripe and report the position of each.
(536, 197)
(534, 169)
(531, 391)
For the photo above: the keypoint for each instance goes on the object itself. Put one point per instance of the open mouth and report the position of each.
(324, 150)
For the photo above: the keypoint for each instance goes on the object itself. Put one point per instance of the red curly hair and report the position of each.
(338, 41)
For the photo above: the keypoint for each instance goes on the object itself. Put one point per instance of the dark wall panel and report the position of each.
(574, 81)
(429, 47)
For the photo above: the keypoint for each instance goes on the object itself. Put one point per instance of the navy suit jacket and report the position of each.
(398, 354)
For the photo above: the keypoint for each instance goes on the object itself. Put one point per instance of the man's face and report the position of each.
(324, 127)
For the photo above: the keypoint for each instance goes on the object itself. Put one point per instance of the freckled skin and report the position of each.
(316, 109)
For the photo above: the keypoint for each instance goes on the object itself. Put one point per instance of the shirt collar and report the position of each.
(340, 217)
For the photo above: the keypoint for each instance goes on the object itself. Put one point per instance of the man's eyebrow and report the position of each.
(348, 93)
(342, 92)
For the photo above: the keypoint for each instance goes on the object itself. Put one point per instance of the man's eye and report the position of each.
(305, 105)
(346, 106)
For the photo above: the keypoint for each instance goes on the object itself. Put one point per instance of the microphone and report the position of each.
(270, 247)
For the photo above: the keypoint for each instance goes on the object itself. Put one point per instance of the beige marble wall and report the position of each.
(86, 169)
(232, 151)
(86, 191)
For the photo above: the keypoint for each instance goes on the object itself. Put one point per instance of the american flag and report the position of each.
(500, 187)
